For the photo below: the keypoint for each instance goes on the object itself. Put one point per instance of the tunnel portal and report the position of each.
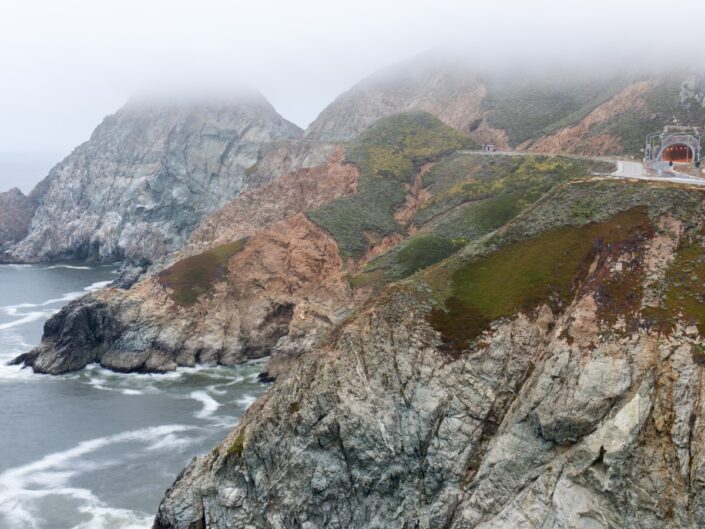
(677, 153)
(676, 144)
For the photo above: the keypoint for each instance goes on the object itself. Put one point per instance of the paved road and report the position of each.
(629, 169)
(625, 169)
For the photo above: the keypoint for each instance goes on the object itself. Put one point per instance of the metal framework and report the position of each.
(657, 143)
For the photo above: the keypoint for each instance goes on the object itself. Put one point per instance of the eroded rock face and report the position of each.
(151, 172)
(278, 294)
(16, 212)
(555, 420)
(298, 191)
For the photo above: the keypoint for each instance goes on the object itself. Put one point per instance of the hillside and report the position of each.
(547, 375)
(285, 263)
(151, 172)
(559, 112)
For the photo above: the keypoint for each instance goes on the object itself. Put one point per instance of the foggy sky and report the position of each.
(66, 64)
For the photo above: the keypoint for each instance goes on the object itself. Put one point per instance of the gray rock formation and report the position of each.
(555, 419)
(16, 211)
(151, 172)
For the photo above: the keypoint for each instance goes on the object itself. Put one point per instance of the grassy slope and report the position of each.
(194, 276)
(539, 257)
(662, 106)
(472, 196)
(530, 109)
(388, 155)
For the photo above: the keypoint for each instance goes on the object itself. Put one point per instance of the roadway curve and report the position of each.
(629, 169)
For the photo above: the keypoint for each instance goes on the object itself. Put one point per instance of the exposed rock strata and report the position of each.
(292, 193)
(576, 138)
(555, 419)
(279, 293)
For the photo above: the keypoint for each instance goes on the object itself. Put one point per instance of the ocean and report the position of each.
(96, 449)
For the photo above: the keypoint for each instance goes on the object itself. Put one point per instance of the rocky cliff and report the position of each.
(151, 172)
(274, 269)
(262, 273)
(16, 211)
(548, 375)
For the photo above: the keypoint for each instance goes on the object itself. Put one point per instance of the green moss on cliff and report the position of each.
(473, 195)
(684, 296)
(194, 276)
(238, 446)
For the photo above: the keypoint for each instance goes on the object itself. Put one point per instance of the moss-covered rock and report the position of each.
(194, 276)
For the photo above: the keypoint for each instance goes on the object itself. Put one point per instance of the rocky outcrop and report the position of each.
(583, 414)
(151, 172)
(278, 293)
(294, 192)
(16, 212)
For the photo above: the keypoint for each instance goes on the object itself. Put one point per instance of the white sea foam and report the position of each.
(22, 486)
(69, 267)
(245, 401)
(16, 266)
(25, 318)
(97, 286)
(13, 344)
(210, 405)
(13, 310)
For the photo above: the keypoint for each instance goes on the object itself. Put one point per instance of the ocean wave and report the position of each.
(245, 401)
(68, 267)
(24, 318)
(16, 266)
(210, 405)
(97, 286)
(22, 486)
(11, 310)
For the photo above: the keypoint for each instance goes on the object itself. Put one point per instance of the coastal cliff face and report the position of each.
(151, 172)
(276, 268)
(16, 211)
(550, 375)
(220, 302)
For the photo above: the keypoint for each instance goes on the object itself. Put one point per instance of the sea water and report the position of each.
(96, 449)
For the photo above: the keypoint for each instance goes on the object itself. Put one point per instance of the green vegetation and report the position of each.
(662, 104)
(472, 195)
(683, 297)
(423, 251)
(523, 275)
(238, 446)
(535, 108)
(502, 186)
(388, 155)
(194, 276)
